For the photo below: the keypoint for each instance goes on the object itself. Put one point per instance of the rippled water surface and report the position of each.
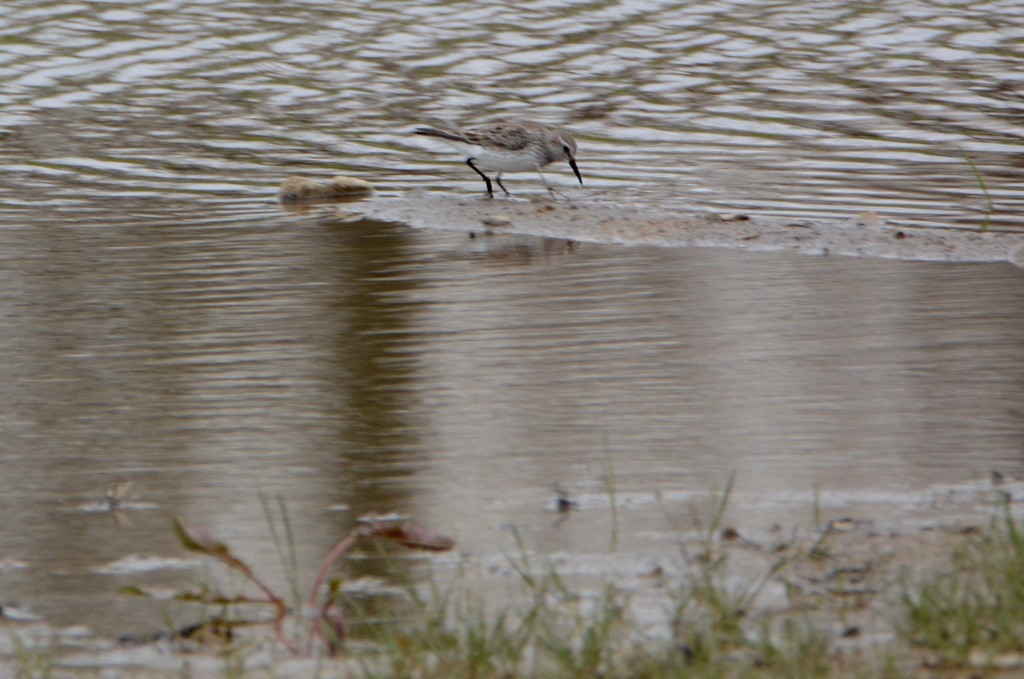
(825, 108)
(163, 321)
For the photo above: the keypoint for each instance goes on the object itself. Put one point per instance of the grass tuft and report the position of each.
(984, 189)
(973, 610)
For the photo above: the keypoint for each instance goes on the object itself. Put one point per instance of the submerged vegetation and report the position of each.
(825, 604)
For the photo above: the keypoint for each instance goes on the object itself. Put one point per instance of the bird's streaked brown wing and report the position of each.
(505, 137)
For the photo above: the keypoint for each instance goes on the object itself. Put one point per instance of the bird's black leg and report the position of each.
(498, 179)
(490, 194)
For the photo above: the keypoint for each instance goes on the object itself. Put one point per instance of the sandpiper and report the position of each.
(510, 147)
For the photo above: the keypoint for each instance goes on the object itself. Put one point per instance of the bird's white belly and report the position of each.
(491, 161)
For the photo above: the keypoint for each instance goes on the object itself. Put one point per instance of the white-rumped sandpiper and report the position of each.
(510, 147)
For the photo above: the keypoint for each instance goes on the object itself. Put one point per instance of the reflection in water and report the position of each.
(381, 368)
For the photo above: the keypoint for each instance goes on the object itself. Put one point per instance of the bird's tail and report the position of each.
(443, 134)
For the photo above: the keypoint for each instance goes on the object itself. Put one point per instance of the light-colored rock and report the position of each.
(304, 190)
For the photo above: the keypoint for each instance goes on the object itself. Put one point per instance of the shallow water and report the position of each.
(355, 366)
(165, 322)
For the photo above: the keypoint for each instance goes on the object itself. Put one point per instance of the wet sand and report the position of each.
(863, 235)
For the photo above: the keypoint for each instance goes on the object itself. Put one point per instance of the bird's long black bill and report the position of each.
(572, 164)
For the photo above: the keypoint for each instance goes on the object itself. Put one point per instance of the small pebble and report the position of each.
(496, 220)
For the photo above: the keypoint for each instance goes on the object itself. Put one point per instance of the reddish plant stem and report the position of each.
(326, 567)
(281, 609)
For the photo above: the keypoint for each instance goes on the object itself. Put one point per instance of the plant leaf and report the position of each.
(195, 541)
(414, 536)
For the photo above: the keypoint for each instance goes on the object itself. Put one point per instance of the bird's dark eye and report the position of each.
(566, 149)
